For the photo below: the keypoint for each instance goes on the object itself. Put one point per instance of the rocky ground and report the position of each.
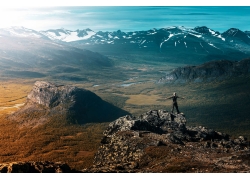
(35, 167)
(159, 141)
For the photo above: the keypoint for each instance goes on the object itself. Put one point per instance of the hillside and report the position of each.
(210, 71)
(154, 142)
(56, 123)
(25, 53)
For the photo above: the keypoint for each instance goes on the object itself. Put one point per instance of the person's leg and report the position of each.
(177, 109)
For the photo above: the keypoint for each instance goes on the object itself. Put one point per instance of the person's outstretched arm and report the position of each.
(169, 97)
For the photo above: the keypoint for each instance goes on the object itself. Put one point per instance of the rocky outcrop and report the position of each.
(126, 141)
(51, 95)
(207, 72)
(35, 167)
(48, 101)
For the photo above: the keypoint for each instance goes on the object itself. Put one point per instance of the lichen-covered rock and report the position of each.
(127, 139)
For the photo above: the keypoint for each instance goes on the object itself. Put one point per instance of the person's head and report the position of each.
(174, 93)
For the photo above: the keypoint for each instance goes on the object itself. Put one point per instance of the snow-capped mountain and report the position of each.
(144, 38)
(68, 35)
(176, 43)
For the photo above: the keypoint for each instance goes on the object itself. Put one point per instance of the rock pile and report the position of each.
(126, 139)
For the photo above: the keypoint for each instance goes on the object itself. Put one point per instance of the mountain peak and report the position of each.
(205, 30)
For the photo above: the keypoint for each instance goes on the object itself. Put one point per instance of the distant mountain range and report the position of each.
(180, 44)
(173, 44)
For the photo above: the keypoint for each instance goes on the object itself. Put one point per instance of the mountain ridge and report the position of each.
(207, 72)
(171, 44)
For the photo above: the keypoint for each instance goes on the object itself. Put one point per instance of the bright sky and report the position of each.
(108, 15)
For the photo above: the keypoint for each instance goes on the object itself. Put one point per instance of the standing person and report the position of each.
(175, 105)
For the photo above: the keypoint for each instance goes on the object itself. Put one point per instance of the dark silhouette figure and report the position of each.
(175, 105)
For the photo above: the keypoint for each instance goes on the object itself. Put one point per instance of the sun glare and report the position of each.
(10, 17)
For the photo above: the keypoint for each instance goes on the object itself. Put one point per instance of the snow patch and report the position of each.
(110, 36)
(219, 36)
(143, 42)
(171, 35)
(213, 45)
(152, 33)
(73, 36)
(185, 44)
(198, 36)
(212, 32)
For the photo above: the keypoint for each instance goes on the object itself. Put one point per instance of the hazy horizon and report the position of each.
(126, 18)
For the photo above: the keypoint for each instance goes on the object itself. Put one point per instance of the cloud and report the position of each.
(195, 14)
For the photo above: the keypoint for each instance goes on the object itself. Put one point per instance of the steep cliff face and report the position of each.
(48, 101)
(51, 95)
(158, 141)
(215, 70)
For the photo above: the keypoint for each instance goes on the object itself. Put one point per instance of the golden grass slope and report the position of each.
(13, 95)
